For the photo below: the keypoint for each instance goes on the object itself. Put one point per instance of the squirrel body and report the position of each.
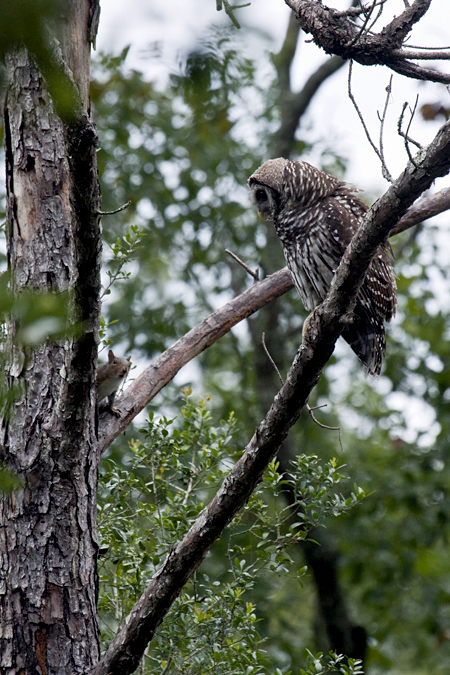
(109, 378)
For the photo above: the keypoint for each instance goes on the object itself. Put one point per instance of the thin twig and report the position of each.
(382, 119)
(402, 133)
(229, 9)
(351, 11)
(428, 48)
(355, 39)
(308, 407)
(271, 359)
(324, 426)
(110, 213)
(409, 53)
(253, 273)
(380, 11)
(384, 168)
(364, 28)
(413, 112)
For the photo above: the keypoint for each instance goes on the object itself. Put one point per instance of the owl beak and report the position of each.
(262, 216)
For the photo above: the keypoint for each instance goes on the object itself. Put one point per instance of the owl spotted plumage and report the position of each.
(315, 216)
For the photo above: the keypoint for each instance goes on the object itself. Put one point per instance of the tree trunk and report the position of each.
(48, 587)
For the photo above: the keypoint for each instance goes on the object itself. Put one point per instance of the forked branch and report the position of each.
(338, 33)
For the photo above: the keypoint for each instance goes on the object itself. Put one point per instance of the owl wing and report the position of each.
(315, 249)
(313, 259)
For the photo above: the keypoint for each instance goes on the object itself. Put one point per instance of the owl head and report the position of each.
(280, 183)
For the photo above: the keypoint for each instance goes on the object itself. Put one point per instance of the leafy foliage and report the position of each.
(332, 663)
(145, 510)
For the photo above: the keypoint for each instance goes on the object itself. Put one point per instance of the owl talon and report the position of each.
(309, 328)
(348, 319)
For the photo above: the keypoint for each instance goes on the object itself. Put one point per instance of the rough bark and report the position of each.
(336, 33)
(48, 619)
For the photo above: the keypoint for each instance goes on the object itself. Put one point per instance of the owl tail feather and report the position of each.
(367, 338)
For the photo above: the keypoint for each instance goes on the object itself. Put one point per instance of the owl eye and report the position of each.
(261, 195)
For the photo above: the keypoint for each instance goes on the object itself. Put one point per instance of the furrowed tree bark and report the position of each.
(48, 586)
(125, 651)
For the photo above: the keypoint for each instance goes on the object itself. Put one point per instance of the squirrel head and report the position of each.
(117, 366)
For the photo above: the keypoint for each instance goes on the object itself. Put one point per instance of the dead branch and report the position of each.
(124, 653)
(378, 151)
(425, 55)
(382, 119)
(336, 33)
(120, 208)
(253, 273)
(165, 367)
(400, 131)
(407, 136)
(324, 426)
(269, 356)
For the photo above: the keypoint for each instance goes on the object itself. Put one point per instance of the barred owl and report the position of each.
(315, 216)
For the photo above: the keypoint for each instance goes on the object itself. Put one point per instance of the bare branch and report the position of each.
(405, 135)
(336, 33)
(229, 10)
(166, 366)
(324, 426)
(401, 26)
(271, 359)
(364, 27)
(421, 55)
(417, 72)
(429, 48)
(423, 209)
(110, 213)
(413, 111)
(253, 273)
(378, 152)
(382, 119)
(402, 133)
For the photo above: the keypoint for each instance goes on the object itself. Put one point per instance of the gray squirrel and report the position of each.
(109, 378)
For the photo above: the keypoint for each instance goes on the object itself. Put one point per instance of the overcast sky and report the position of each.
(178, 25)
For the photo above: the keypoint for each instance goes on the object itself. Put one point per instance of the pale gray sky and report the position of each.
(177, 25)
